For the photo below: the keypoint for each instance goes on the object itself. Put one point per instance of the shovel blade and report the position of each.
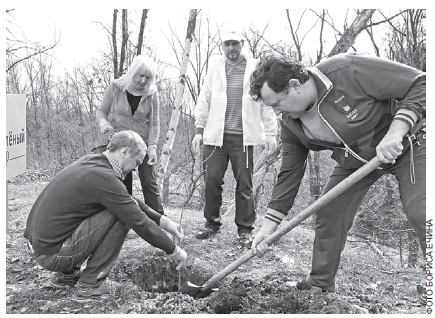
(195, 291)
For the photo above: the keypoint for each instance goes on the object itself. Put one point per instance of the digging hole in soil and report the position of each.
(158, 274)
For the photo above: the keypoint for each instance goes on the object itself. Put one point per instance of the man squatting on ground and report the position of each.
(85, 213)
(230, 123)
(359, 107)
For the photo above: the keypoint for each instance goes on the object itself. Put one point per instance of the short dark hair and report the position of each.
(127, 138)
(276, 71)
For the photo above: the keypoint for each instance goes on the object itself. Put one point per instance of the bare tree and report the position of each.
(254, 40)
(19, 48)
(294, 32)
(167, 147)
(204, 45)
(407, 39)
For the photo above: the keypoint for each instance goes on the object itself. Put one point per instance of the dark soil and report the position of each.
(145, 281)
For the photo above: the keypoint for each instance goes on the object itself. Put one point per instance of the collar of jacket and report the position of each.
(114, 162)
(324, 86)
(220, 65)
(116, 83)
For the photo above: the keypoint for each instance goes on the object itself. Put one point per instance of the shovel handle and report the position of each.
(298, 218)
(324, 200)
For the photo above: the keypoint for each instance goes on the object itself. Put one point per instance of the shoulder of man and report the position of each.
(215, 61)
(335, 62)
(342, 60)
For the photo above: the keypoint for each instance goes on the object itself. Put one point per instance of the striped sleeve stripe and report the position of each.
(405, 118)
(275, 216)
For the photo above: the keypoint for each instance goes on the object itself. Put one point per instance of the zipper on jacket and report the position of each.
(348, 150)
(330, 127)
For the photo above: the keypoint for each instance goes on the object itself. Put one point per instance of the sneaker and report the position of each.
(63, 281)
(245, 240)
(87, 294)
(206, 233)
(305, 285)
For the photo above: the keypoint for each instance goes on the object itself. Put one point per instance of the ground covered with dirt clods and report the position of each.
(144, 280)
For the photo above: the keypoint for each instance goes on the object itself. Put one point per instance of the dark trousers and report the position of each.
(335, 220)
(215, 165)
(98, 239)
(150, 187)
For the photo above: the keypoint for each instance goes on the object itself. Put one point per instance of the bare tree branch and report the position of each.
(350, 34)
(322, 23)
(387, 19)
(37, 52)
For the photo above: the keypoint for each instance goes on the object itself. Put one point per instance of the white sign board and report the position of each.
(15, 135)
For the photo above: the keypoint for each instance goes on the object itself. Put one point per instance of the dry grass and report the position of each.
(367, 283)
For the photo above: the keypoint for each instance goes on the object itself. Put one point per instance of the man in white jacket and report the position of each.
(230, 123)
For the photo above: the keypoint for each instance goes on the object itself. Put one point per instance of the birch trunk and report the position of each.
(172, 129)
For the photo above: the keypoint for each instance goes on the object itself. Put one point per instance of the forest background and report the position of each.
(62, 97)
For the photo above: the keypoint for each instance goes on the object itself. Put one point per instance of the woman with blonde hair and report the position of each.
(131, 102)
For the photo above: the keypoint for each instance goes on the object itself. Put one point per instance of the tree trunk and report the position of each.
(314, 173)
(165, 190)
(172, 129)
(389, 192)
(350, 34)
(115, 49)
(413, 245)
(142, 28)
(124, 41)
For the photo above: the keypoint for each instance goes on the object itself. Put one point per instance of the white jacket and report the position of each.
(258, 120)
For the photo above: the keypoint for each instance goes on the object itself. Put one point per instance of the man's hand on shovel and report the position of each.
(267, 228)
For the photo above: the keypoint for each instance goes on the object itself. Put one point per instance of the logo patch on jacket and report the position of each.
(353, 114)
(350, 112)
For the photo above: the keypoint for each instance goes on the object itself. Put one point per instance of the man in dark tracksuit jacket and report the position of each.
(85, 213)
(359, 107)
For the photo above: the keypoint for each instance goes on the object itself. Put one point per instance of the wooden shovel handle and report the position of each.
(298, 218)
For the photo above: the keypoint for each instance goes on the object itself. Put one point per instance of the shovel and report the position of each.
(206, 289)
